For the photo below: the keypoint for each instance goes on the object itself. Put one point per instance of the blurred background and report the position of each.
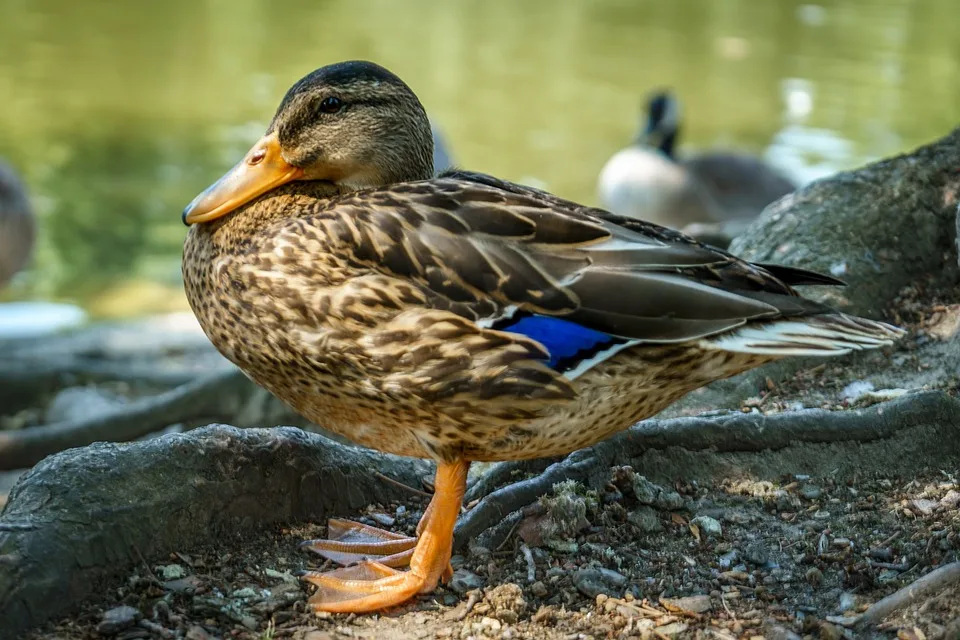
(115, 114)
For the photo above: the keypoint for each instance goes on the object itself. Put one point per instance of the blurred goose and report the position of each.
(713, 196)
(17, 225)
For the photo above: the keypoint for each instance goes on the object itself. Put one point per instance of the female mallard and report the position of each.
(18, 227)
(460, 317)
(712, 194)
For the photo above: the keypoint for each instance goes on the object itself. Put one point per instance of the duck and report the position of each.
(712, 196)
(18, 226)
(460, 317)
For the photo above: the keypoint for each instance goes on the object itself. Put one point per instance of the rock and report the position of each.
(688, 604)
(924, 506)
(777, 632)
(757, 553)
(171, 571)
(565, 515)
(848, 601)
(709, 527)
(246, 593)
(465, 580)
(672, 629)
(728, 559)
(950, 500)
(196, 632)
(186, 585)
(814, 576)
(383, 519)
(593, 582)
(117, 619)
(539, 589)
(649, 493)
(813, 227)
(645, 519)
(811, 492)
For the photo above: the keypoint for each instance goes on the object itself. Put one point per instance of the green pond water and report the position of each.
(117, 113)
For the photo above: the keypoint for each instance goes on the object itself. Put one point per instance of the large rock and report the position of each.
(879, 228)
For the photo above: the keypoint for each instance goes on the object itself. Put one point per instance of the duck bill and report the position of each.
(262, 169)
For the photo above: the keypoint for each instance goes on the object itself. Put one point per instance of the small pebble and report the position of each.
(814, 576)
(196, 632)
(811, 492)
(465, 580)
(728, 559)
(847, 602)
(383, 519)
(593, 582)
(709, 527)
(171, 572)
(117, 619)
(757, 553)
(539, 589)
(688, 604)
(245, 593)
(645, 519)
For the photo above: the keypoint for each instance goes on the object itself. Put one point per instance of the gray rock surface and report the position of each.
(878, 228)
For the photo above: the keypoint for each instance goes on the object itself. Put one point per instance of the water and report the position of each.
(118, 113)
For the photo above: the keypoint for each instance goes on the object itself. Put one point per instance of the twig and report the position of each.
(216, 396)
(531, 565)
(405, 487)
(473, 597)
(936, 580)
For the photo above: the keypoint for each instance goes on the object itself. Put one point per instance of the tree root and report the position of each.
(87, 515)
(75, 518)
(734, 433)
(218, 396)
(933, 582)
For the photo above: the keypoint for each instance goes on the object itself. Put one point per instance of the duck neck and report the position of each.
(232, 232)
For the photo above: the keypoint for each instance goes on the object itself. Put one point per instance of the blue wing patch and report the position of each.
(569, 343)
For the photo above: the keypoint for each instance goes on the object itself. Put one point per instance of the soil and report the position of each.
(784, 556)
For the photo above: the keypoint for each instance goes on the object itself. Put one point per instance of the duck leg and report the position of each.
(372, 585)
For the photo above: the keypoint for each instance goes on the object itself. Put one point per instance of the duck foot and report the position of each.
(371, 585)
(352, 542)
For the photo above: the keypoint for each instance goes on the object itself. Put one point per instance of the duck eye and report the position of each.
(331, 104)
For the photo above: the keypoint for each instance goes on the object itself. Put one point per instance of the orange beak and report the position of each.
(262, 169)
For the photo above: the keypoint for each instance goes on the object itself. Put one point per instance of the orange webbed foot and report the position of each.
(373, 583)
(352, 542)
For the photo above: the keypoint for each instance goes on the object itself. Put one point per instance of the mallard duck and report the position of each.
(17, 225)
(710, 195)
(460, 317)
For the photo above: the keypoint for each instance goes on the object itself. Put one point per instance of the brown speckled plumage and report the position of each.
(365, 296)
(460, 317)
(367, 307)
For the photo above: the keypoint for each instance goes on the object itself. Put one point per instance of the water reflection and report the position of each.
(117, 114)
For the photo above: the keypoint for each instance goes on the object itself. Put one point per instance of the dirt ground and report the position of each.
(782, 557)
